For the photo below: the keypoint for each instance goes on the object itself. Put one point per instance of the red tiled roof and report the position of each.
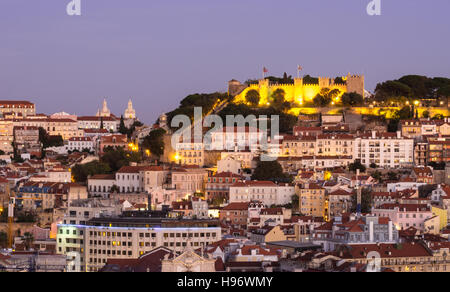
(237, 206)
(254, 183)
(103, 176)
(403, 250)
(340, 192)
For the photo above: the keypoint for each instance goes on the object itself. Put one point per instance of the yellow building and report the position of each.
(312, 200)
(298, 91)
(443, 216)
(268, 234)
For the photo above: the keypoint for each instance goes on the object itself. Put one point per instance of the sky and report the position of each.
(156, 52)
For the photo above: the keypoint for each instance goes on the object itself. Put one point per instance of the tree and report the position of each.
(321, 100)
(115, 158)
(352, 99)
(295, 202)
(438, 117)
(155, 142)
(334, 93)
(278, 97)
(437, 165)
(392, 176)
(3, 239)
(48, 140)
(378, 176)
(80, 172)
(122, 129)
(252, 97)
(426, 190)
(27, 217)
(307, 79)
(356, 165)
(16, 157)
(426, 114)
(393, 125)
(268, 170)
(101, 123)
(373, 165)
(366, 201)
(404, 113)
(392, 89)
(28, 240)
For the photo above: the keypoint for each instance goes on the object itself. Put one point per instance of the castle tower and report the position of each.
(324, 82)
(298, 90)
(263, 91)
(235, 87)
(104, 112)
(355, 83)
(130, 113)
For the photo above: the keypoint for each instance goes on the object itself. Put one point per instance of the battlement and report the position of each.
(298, 91)
(281, 85)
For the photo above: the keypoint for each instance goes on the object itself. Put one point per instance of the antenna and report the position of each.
(358, 194)
(12, 202)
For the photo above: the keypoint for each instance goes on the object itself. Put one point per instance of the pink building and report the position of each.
(405, 215)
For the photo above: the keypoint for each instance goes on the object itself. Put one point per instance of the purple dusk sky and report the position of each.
(159, 51)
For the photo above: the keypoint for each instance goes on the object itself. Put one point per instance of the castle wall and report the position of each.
(300, 92)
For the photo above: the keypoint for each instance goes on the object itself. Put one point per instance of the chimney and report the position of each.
(399, 134)
(390, 230)
(374, 134)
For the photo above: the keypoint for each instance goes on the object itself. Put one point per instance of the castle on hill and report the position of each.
(299, 91)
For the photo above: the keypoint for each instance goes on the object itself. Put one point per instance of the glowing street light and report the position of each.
(416, 103)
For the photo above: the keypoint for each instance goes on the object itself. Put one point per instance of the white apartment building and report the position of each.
(404, 185)
(130, 179)
(80, 144)
(94, 122)
(389, 150)
(199, 208)
(140, 178)
(100, 185)
(265, 192)
(228, 138)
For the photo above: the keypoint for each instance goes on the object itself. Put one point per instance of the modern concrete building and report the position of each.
(89, 246)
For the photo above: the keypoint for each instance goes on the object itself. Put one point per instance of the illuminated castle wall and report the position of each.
(298, 92)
